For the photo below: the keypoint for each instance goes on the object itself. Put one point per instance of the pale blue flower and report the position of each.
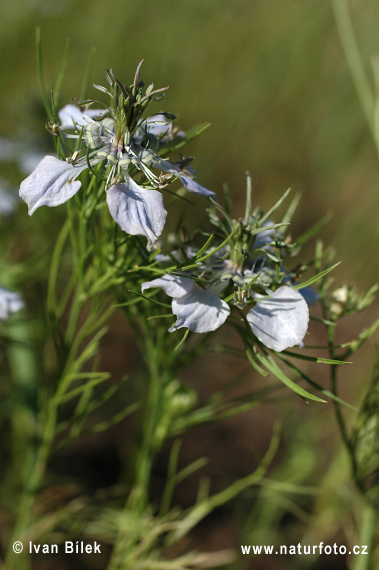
(134, 208)
(280, 320)
(199, 309)
(52, 183)
(138, 210)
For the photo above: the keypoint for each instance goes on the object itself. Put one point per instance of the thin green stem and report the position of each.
(354, 60)
(361, 562)
(338, 411)
(138, 499)
(366, 538)
(152, 418)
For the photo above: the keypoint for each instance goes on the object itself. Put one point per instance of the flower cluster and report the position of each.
(127, 150)
(279, 316)
(127, 144)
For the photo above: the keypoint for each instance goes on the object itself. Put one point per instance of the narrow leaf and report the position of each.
(41, 78)
(272, 367)
(316, 277)
(58, 83)
(313, 230)
(275, 207)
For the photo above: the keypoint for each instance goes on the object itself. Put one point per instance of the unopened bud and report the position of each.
(340, 295)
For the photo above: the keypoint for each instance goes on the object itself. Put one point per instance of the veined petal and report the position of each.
(137, 211)
(10, 303)
(192, 186)
(52, 183)
(281, 320)
(172, 285)
(70, 116)
(201, 310)
(166, 165)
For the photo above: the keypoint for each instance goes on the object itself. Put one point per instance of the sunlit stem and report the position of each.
(354, 60)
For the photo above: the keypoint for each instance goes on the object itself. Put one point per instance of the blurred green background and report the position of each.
(271, 77)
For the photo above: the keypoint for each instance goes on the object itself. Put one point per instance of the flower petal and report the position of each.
(281, 320)
(192, 186)
(188, 182)
(172, 285)
(52, 183)
(201, 310)
(310, 295)
(10, 303)
(70, 116)
(137, 211)
(156, 125)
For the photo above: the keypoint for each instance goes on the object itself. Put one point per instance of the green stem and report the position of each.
(354, 60)
(366, 538)
(339, 415)
(138, 499)
(148, 448)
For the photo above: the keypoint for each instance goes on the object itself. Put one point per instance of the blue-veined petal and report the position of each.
(192, 186)
(201, 310)
(281, 320)
(52, 183)
(172, 285)
(10, 303)
(137, 211)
